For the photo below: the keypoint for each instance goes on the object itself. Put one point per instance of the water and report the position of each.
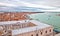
(49, 18)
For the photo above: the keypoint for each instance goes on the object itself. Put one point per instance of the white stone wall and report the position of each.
(41, 32)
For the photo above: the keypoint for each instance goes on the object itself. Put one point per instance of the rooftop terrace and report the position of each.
(32, 25)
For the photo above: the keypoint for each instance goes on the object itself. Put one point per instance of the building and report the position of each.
(18, 24)
(25, 28)
(10, 16)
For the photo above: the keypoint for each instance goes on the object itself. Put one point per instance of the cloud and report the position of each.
(7, 4)
(57, 10)
(36, 5)
(45, 2)
(29, 3)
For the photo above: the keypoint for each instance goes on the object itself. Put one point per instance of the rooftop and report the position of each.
(10, 16)
(39, 25)
(32, 26)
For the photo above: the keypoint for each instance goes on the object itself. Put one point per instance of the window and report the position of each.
(41, 33)
(32, 35)
(5, 30)
(45, 31)
(36, 34)
(3, 35)
(9, 35)
(50, 30)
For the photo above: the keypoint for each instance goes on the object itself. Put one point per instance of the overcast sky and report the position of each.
(50, 5)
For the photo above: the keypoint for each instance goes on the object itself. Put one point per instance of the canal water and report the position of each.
(49, 18)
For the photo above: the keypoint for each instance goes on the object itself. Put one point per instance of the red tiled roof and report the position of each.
(9, 16)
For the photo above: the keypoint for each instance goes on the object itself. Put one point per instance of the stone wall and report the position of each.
(42, 32)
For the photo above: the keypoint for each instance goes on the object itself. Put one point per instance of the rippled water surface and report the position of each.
(49, 18)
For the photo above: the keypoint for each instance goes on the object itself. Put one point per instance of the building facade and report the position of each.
(25, 28)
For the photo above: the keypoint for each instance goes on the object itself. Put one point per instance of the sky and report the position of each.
(35, 5)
